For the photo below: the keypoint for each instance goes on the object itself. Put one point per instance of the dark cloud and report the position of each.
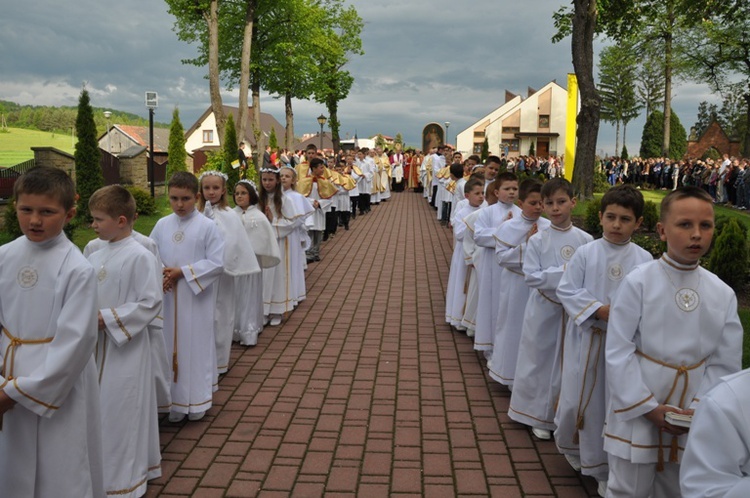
(424, 61)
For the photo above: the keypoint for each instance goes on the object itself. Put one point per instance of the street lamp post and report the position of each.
(321, 121)
(152, 102)
(107, 115)
(447, 137)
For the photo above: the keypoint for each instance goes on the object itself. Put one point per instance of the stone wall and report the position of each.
(134, 171)
(49, 156)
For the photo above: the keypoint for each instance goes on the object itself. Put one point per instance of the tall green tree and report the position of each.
(230, 148)
(652, 137)
(87, 156)
(197, 21)
(177, 152)
(720, 54)
(341, 41)
(273, 141)
(650, 78)
(617, 74)
(706, 114)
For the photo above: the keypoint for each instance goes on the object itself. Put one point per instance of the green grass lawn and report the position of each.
(15, 146)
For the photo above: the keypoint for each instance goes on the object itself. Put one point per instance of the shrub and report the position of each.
(145, 204)
(721, 222)
(600, 182)
(729, 256)
(591, 220)
(653, 245)
(650, 216)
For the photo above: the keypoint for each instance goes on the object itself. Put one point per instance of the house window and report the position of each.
(477, 149)
(208, 136)
(513, 145)
(544, 121)
(511, 129)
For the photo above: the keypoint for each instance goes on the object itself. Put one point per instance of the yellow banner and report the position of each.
(570, 126)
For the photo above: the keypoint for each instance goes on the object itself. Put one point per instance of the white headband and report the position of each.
(249, 182)
(213, 172)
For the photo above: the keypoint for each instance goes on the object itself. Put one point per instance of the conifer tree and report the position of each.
(230, 154)
(87, 155)
(273, 141)
(177, 152)
(729, 256)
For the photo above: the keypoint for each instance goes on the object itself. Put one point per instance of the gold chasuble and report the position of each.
(326, 188)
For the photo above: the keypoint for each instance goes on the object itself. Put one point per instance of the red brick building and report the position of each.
(713, 137)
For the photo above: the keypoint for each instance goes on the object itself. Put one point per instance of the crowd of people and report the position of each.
(724, 179)
(578, 329)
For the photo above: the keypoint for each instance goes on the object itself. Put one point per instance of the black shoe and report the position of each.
(316, 258)
(346, 227)
(325, 236)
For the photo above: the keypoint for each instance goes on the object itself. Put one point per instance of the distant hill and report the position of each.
(62, 119)
(16, 143)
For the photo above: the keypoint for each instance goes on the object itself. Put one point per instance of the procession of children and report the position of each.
(137, 326)
(603, 348)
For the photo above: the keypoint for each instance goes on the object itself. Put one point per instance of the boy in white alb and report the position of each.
(50, 442)
(511, 239)
(673, 333)
(536, 385)
(586, 291)
(716, 462)
(319, 193)
(129, 299)
(489, 272)
(192, 251)
(472, 253)
(455, 298)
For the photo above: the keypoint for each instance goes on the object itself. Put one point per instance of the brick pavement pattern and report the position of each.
(364, 390)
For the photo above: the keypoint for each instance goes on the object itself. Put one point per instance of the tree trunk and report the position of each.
(333, 123)
(668, 61)
(289, 142)
(260, 143)
(582, 47)
(214, 84)
(617, 138)
(746, 138)
(247, 44)
(624, 136)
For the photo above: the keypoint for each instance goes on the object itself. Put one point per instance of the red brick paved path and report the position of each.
(364, 390)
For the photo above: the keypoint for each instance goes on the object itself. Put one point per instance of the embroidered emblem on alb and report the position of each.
(102, 275)
(615, 271)
(567, 252)
(687, 299)
(178, 237)
(27, 277)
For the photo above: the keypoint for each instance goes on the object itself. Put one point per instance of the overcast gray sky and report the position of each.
(425, 60)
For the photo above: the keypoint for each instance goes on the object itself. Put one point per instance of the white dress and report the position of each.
(510, 241)
(192, 243)
(129, 298)
(471, 260)
(248, 321)
(299, 242)
(590, 282)
(488, 271)
(716, 462)
(239, 261)
(537, 380)
(279, 294)
(50, 443)
(455, 296)
(666, 316)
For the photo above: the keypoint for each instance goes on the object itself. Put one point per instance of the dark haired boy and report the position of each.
(192, 250)
(536, 385)
(50, 442)
(488, 220)
(511, 239)
(664, 355)
(586, 291)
